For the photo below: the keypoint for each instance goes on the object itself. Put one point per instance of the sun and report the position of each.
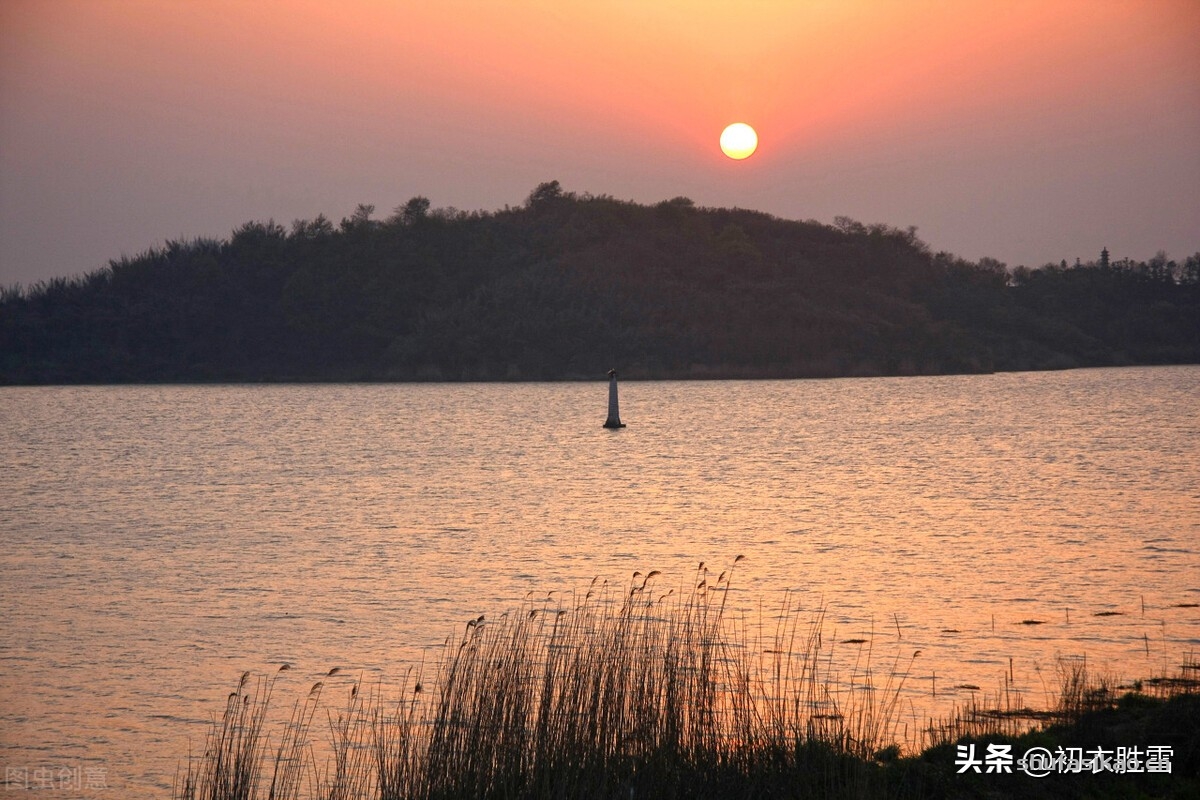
(739, 141)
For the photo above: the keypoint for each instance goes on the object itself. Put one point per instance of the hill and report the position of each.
(566, 286)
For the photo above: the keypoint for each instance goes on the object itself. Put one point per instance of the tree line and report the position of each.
(565, 286)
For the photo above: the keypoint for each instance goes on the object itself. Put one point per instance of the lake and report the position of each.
(160, 540)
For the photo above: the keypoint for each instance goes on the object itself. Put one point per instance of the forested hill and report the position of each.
(567, 286)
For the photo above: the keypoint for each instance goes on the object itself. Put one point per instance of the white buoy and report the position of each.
(614, 413)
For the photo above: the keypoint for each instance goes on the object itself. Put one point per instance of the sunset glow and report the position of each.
(190, 118)
(311, 319)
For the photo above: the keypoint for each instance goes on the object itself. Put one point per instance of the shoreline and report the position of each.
(618, 696)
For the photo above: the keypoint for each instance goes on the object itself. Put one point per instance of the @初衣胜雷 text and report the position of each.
(1039, 762)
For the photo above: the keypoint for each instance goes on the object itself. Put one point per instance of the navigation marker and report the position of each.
(614, 414)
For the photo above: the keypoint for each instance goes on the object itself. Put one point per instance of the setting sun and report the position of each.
(739, 141)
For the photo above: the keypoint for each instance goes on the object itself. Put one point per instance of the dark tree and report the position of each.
(566, 285)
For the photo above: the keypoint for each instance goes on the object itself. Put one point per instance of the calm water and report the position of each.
(157, 541)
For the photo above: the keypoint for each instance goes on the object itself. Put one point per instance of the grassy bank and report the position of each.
(641, 692)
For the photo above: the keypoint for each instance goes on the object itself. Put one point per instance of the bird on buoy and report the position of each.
(614, 414)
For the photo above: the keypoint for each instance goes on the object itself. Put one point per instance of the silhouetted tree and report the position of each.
(565, 282)
(412, 212)
(1191, 270)
(544, 193)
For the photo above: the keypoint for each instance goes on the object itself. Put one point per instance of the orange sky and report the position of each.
(1020, 129)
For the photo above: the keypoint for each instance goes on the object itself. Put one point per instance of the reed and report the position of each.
(618, 692)
(1082, 693)
(234, 751)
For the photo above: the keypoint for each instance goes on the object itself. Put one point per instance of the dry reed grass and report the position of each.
(629, 693)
